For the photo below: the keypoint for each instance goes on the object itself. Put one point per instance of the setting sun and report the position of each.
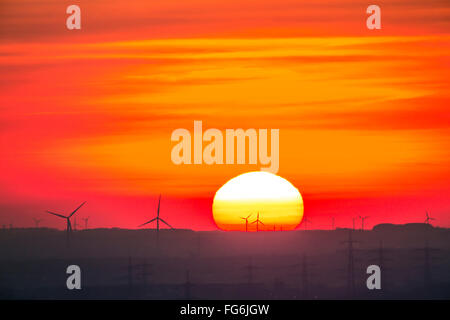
(253, 196)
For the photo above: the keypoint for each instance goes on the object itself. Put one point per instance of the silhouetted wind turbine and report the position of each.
(37, 221)
(362, 221)
(86, 220)
(428, 219)
(306, 221)
(257, 221)
(75, 224)
(69, 225)
(157, 219)
(246, 222)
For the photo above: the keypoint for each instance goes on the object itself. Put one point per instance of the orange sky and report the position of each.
(88, 114)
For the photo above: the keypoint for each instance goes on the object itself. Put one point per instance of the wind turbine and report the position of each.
(69, 225)
(428, 219)
(37, 221)
(246, 222)
(157, 219)
(306, 221)
(362, 221)
(86, 220)
(257, 221)
(75, 224)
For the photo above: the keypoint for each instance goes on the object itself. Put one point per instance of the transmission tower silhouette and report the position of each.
(378, 256)
(303, 274)
(250, 274)
(427, 266)
(353, 220)
(305, 282)
(187, 286)
(350, 266)
(381, 264)
(250, 268)
(130, 274)
(145, 270)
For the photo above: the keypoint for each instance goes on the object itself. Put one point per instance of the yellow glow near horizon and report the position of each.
(278, 202)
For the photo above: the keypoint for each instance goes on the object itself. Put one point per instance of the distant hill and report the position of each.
(413, 227)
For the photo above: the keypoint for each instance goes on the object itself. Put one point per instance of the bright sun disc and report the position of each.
(278, 202)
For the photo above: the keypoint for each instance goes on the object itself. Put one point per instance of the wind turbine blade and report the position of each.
(253, 222)
(147, 222)
(77, 209)
(262, 223)
(248, 216)
(57, 214)
(159, 205)
(166, 223)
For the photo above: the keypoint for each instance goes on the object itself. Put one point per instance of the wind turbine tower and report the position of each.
(246, 222)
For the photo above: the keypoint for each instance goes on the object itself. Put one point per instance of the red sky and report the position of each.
(88, 114)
